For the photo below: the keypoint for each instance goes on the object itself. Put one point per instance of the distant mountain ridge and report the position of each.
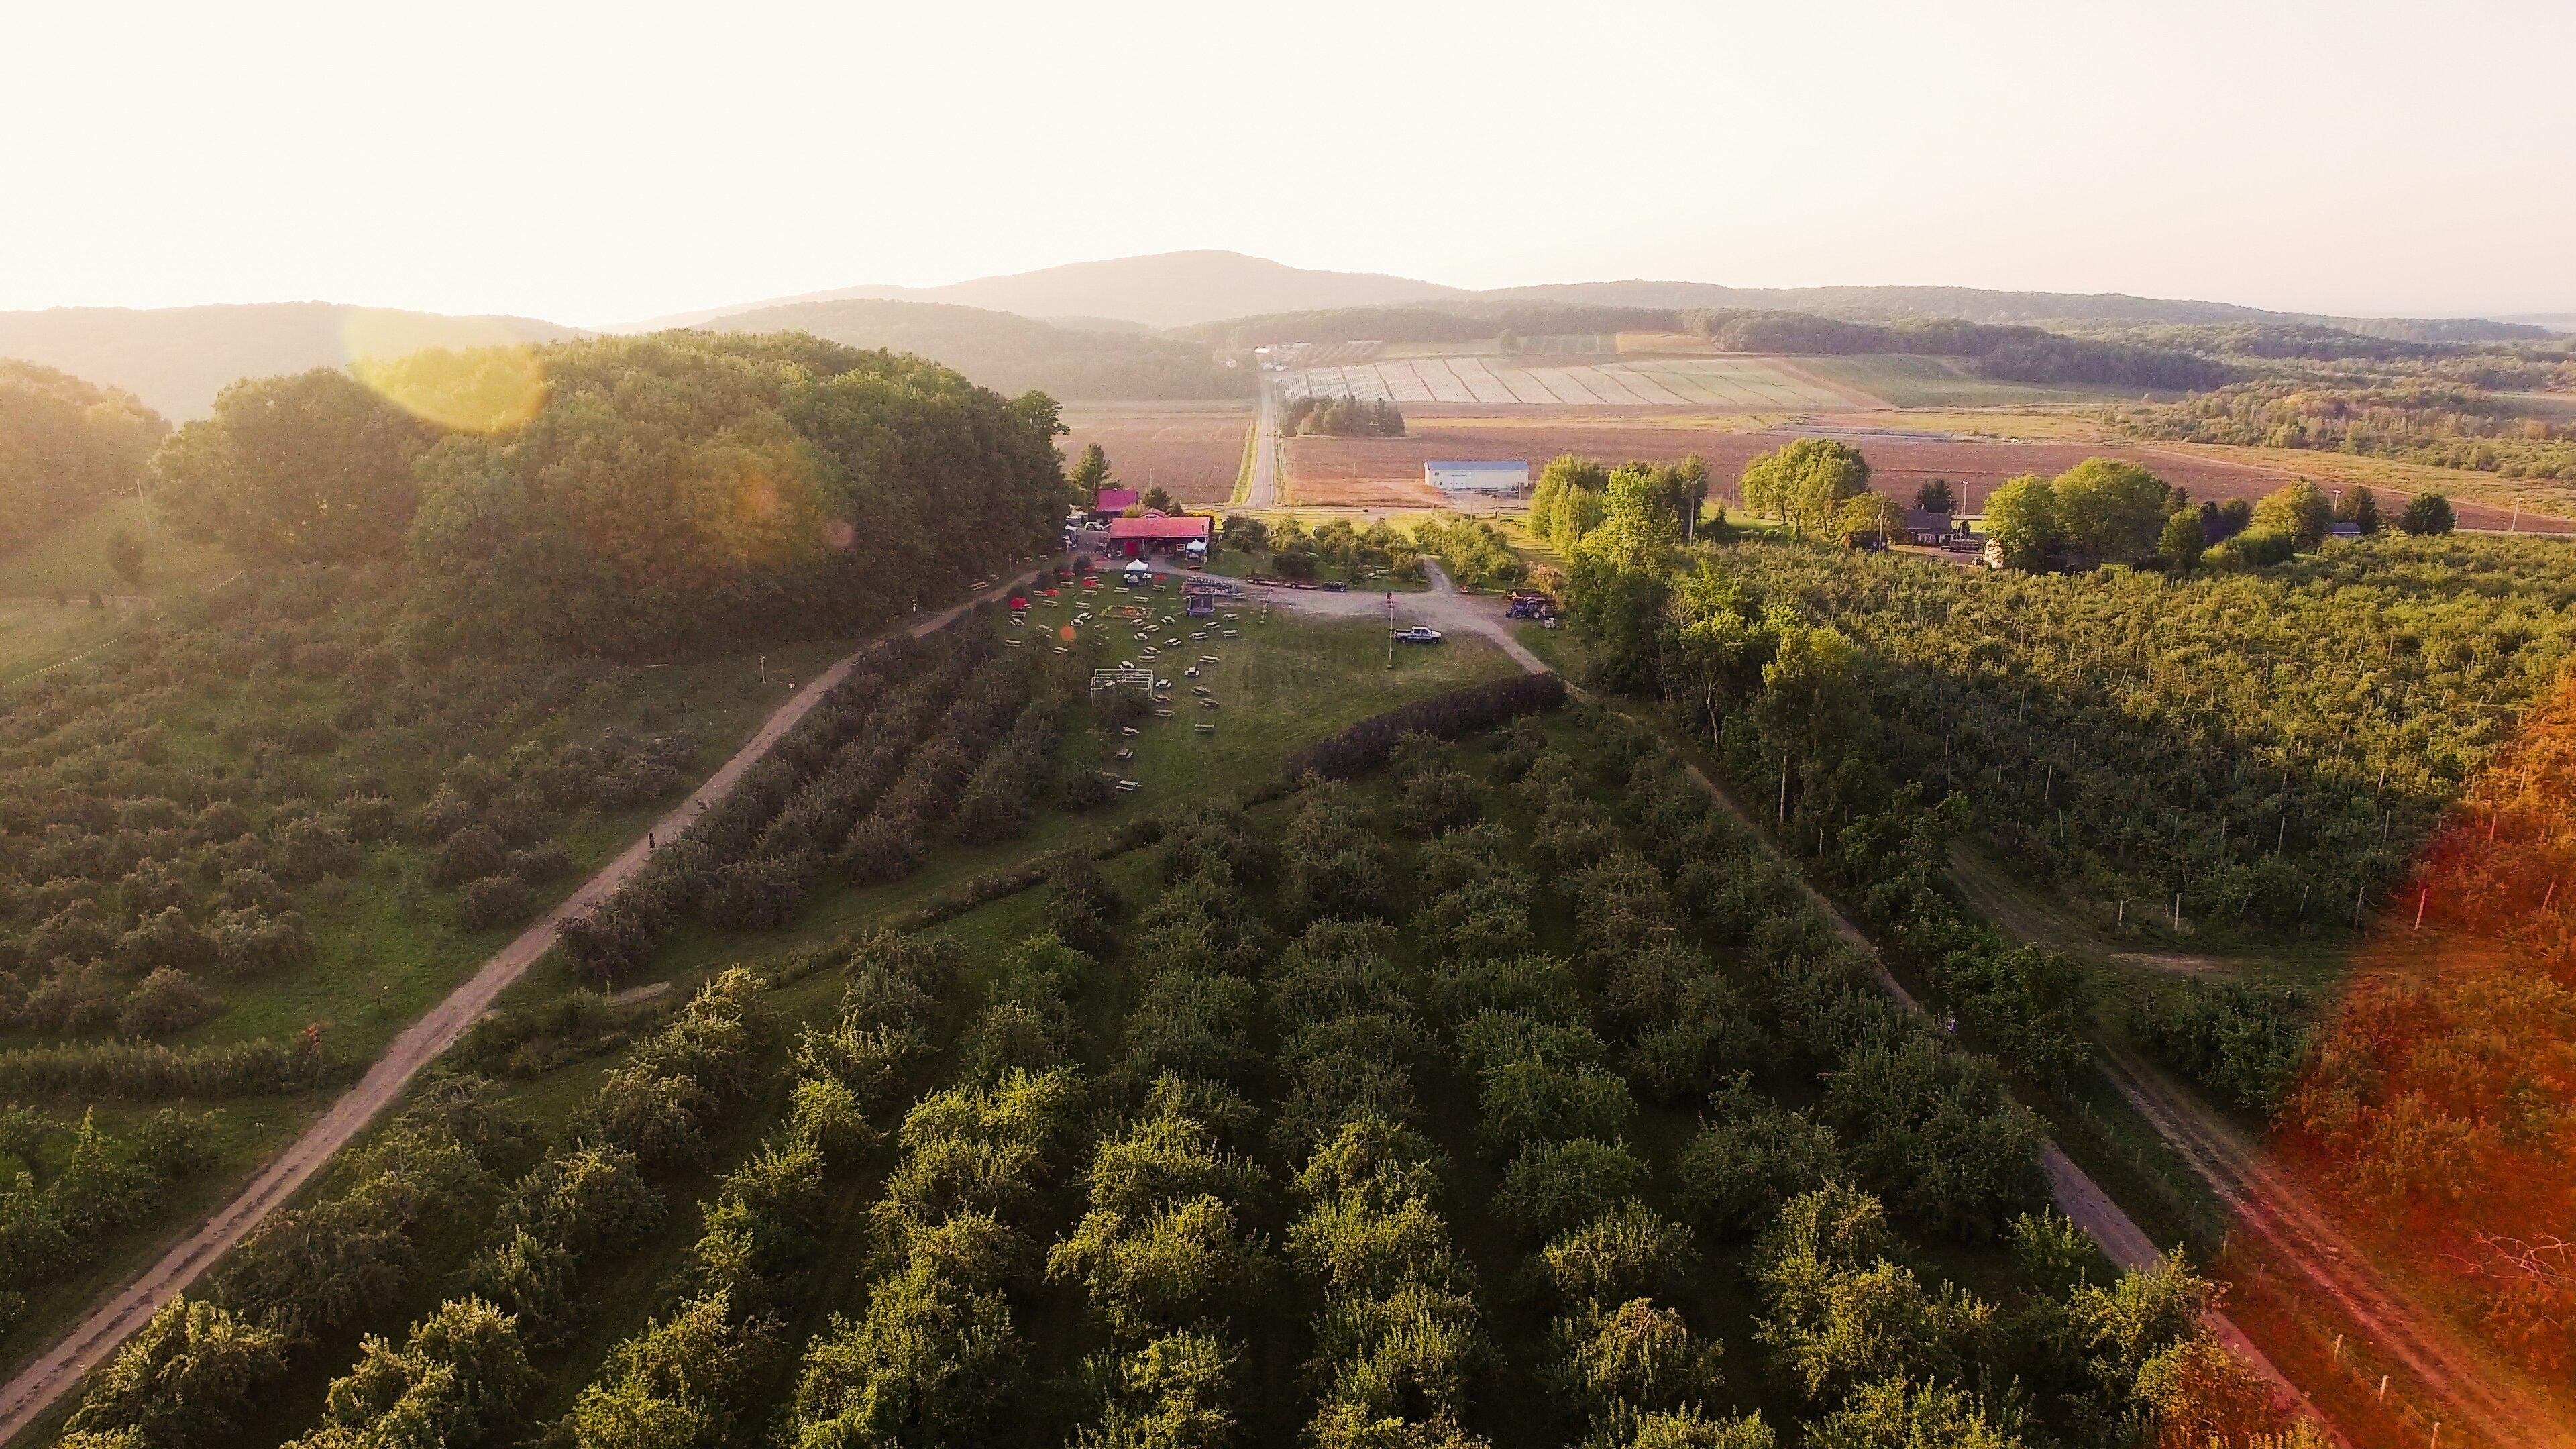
(1012, 354)
(1085, 329)
(177, 358)
(1167, 289)
(1183, 289)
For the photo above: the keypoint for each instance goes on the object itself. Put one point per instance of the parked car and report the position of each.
(1418, 634)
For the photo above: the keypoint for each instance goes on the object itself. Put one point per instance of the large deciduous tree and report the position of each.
(1803, 483)
(309, 468)
(2112, 510)
(2298, 510)
(2021, 519)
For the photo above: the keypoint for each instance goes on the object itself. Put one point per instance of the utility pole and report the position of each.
(1390, 629)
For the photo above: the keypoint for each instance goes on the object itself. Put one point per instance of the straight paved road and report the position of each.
(36, 1387)
(1264, 492)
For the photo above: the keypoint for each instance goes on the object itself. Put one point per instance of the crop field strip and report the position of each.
(1733, 383)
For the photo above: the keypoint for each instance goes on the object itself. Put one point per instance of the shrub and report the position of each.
(249, 941)
(538, 864)
(494, 900)
(313, 847)
(470, 854)
(168, 1000)
(1553, 1186)
(757, 894)
(883, 848)
(1750, 1156)
(2242, 1042)
(1624, 1253)
(311, 735)
(147, 1072)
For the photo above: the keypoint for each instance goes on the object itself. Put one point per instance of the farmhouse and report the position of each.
(1508, 478)
(1930, 526)
(1137, 537)
(1110, 502)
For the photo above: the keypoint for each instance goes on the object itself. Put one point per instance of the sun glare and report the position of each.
(489, 385)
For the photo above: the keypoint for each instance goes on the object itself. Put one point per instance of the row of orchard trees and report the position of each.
(164, 804)
(1340, 417)
(641, 490)
(1097, 1240)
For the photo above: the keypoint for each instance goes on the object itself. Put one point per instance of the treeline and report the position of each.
(65, 445)
(2019, 354)
(1340, 417)
(2436, 425)
(658, 489)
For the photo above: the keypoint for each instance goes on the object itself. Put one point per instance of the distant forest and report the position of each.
(2013, 354)
(1012, 354)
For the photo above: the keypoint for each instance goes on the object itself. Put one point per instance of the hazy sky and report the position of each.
(602, 163)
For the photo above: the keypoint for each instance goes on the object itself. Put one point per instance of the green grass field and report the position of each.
(1284, 683)
(37, 632)
(1933, 382)
(46, 587)
(74, 558)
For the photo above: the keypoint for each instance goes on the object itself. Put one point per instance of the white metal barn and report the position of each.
(1509, 478)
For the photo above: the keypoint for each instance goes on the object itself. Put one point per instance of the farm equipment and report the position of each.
(1529, 604)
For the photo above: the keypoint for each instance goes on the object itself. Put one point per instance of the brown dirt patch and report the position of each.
(1193, 449)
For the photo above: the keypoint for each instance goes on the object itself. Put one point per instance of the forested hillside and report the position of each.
(651, 490)
(1012, 354)
(65, 444)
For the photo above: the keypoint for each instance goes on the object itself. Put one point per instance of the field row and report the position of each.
(1742, 383)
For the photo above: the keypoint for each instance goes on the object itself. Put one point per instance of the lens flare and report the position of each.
(463, 374)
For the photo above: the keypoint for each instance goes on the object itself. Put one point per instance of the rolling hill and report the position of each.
(1169, 289)
(177, 358)
(1008, 353)
(1186, 289)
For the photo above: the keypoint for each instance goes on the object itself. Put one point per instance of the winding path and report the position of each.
(36, 1388)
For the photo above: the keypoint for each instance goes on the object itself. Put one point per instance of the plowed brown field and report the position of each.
(1193, 449)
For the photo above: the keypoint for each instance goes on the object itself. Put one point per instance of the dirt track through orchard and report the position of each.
(35, 1388)
(2301, 1241)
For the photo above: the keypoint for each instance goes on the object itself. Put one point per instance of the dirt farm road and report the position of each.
(35, 1388)
(2301, 1241)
